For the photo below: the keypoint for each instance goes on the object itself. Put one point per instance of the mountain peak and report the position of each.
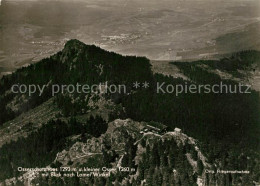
(71, 51)
(74, 43)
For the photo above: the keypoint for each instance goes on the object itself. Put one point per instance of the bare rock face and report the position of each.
(127, 140)
(131, 152)
(116, 136)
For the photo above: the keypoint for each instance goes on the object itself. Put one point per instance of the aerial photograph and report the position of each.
(130, 92)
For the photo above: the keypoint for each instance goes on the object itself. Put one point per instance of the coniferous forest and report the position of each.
(226, 125)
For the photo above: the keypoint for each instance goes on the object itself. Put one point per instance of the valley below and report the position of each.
(171, 30)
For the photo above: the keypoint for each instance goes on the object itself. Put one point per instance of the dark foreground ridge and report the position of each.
(36, 130)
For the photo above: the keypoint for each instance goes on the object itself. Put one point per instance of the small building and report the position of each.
(177, 130)
(155, 127)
